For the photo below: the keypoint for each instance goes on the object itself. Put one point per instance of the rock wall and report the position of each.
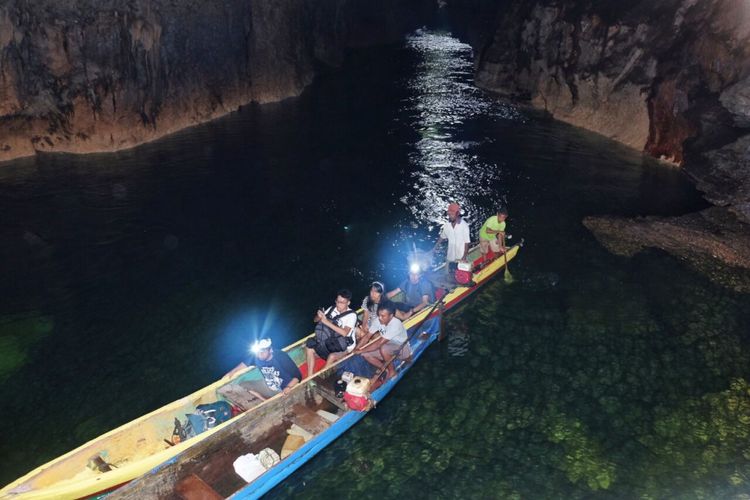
(670, 77)
(101, 75)
(649, 74)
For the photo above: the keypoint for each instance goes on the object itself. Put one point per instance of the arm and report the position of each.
(427, 291)
(438, 243)
(375, 345)
(343, 331)
(466, 251)
(363, 339)
(441, 238)
(289, 386)
(365, 316)
(291, 369)
(425, 302)
(392, 293)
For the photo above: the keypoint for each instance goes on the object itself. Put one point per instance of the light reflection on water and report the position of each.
(444, 102)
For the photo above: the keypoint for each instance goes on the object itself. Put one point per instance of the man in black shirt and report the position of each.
(279, 372)
(418, 294)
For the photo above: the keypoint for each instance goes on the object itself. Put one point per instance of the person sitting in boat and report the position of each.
(418, 293)
(370, 304)
(492, 233)
(456, 232)
(392, 337)
(279, 372)
(335, 333)
(370, 313)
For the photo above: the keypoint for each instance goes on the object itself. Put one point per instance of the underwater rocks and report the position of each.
(713, 241)
(84, 75)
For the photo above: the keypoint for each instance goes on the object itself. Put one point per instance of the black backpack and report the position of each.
(327, 341)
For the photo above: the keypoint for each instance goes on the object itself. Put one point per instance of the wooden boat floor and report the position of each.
(213, 464)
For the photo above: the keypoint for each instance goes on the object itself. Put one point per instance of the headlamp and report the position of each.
(260, 345)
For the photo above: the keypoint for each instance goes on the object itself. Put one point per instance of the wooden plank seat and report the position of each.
(239, 395)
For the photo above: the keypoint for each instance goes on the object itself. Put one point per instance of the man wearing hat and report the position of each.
(456, 231)
(279, 372)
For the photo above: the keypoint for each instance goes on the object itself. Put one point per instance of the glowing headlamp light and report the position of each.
(260, 345)
(414, 268)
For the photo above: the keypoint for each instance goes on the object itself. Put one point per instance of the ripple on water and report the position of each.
(444, 101)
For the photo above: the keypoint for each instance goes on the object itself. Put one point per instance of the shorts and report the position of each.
(390, 348)
(485, 245)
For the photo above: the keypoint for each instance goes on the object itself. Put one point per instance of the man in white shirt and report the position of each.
(456, 231)
(392, 337)
(335, 335)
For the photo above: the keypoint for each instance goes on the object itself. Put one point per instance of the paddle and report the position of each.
(506, 276)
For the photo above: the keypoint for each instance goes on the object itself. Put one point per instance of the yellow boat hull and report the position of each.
(138, 446)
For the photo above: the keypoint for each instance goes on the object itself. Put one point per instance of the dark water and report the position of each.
(129, 280)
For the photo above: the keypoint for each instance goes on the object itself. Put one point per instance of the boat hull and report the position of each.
(73, 487)
(286, 467)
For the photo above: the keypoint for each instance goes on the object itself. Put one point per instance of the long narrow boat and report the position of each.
(139, 446)
(207, 469)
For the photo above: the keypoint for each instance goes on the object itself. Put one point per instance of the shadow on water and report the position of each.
(133, 278)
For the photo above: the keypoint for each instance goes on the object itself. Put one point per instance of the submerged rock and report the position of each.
(714, 241)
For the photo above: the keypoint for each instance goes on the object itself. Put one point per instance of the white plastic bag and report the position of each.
(248, 467)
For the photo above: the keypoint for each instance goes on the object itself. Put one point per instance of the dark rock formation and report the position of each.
(671, 78)
(712, 241)
(643, 73)
(102, 75)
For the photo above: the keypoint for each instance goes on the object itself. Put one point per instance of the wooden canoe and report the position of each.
(138, 447)
(206, 470)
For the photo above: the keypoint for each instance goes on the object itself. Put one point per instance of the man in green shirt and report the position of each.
(492, 233)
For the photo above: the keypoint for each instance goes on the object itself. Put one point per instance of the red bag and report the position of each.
(356, 403)
(463, 273)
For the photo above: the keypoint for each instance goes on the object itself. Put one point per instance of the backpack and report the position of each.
(327, 341)
(206, 416)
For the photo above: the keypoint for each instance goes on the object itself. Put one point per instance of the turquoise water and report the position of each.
(131, 279)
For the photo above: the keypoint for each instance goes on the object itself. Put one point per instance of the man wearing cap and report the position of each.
(279, 372)
(492, 233)
(456, 231)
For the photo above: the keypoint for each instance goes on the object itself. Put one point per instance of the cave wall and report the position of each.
(102, 75)
(671, 78)
(642, 72)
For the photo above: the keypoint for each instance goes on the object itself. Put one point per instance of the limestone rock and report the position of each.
(712, 241)
(643, 73)
(102, 75)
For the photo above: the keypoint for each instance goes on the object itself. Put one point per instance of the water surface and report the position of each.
(131, 279)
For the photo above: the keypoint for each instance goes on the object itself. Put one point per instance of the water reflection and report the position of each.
(444, 102)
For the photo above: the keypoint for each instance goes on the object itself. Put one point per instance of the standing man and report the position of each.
(492, 233)
(279, 372)
(456, 231)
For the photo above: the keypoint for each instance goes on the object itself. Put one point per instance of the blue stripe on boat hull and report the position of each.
(294, 461)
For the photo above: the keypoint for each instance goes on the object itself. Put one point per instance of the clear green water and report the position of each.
(131, 279)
